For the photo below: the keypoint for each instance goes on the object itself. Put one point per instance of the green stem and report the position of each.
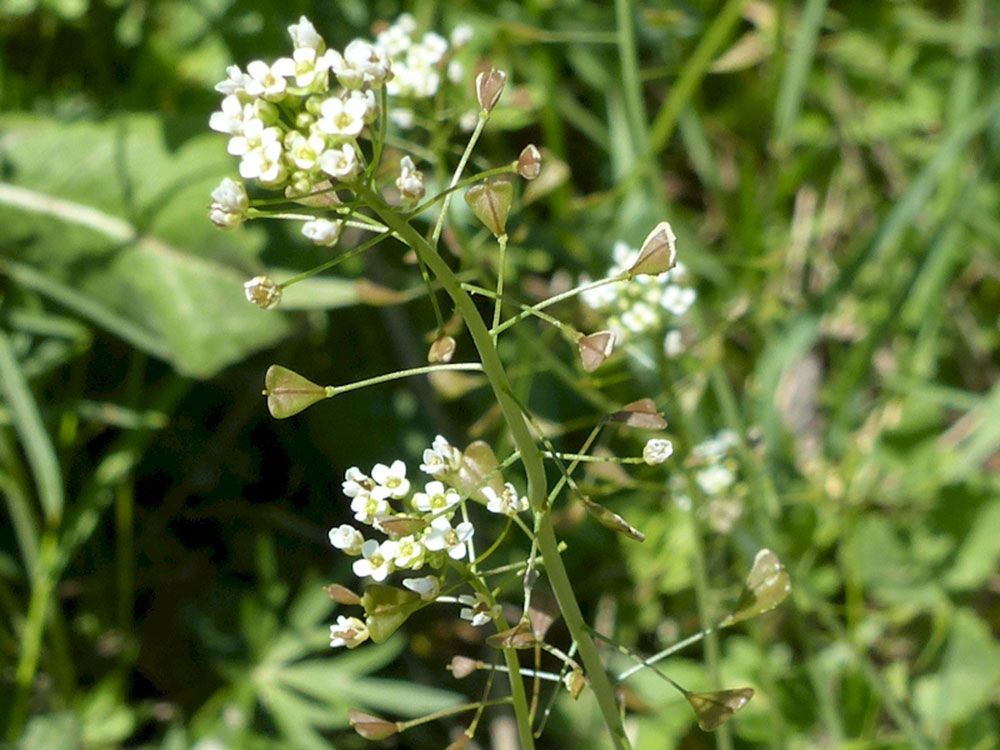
(498, 299)
(34, 627)
(336, 390)
(534, 468)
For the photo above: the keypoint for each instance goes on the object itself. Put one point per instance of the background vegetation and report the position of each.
(831, 172)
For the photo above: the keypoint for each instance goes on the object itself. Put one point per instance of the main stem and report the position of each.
(534, 468)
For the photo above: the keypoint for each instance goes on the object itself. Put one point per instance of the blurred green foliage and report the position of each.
(831, 173)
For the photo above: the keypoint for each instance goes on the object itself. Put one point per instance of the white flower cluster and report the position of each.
(289, 128)
(419, 526)
(642, 304)
(417, 64)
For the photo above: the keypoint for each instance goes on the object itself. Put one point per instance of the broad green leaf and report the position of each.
(113, 223)
(968, 677)
(716, 708)
(767, 586)
(976, 561)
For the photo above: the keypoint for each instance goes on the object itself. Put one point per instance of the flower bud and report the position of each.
(490, 202)
(342, 594)
(262, 292)
(529, 163)
(656, 451)
(323, 231)
(410, 181)
(229, 204)
(595, 348)
(489, 87)
(442, 350)
(658, 252)
(462, 666)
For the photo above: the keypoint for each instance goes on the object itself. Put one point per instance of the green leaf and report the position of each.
(968, 677)
(30, 428)
(108, 215)
(387, 608)
(976, 561)
(767, 586)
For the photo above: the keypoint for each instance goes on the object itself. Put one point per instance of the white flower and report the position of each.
(347, 539)
(342, 118)
(349, 631)
(367, 98)
(467, 122)
(265, 81)
(508, 502)
(251, 136)
(377, 560)
(673, 343)
(410, 553)
(477, 611)
(714, 479)
(263, 292)
(323, 231)
(360, 65)
(230, 118)
(356, 482)
(678, 299)
(229, 204)
(406, 22)
(410, 181)
(263, 164)
(304, 35)
(461, 35)
(428, 587)
(404, 118)
(456, 71)
(368, 508)
(639, 317)
(305, 66)
(235, 82)
(429, 52)
(656, 451)
(395, 40)
(305, 152)
(441, 536)
(341, 162)
(435, 498)
(441, 456)
(391, 480)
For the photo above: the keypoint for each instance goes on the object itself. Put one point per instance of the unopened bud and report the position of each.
(595, 348)
(658, 252)
(490, 202)
(229, 204)
(656, 451)
(342, 594)
(371, 727)
(529, 163)
(442, 350)
(262, 292)
(489, 87)
(462, 666)
(410, 181)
